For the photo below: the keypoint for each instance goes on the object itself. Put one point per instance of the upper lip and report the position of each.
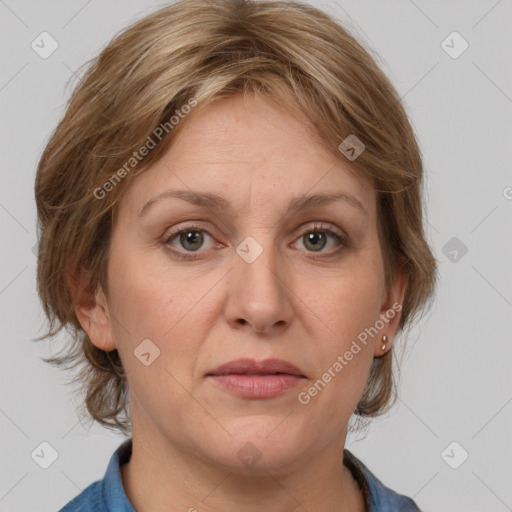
(252, 367)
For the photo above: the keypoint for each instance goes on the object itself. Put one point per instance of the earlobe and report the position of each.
(390, 312)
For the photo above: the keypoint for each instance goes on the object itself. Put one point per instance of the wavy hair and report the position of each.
(197, 50)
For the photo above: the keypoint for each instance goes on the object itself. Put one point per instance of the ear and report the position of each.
(93, 313)
(391, 311)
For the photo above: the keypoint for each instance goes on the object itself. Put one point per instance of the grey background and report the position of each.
(456, 381)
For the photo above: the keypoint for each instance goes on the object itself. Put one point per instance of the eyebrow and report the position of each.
(216, 202)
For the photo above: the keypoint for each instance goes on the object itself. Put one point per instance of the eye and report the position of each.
(191, 239)
(315, 239)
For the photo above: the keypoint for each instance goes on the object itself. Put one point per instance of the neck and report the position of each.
(165, 476)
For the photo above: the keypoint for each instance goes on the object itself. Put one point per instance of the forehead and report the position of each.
(248, 150)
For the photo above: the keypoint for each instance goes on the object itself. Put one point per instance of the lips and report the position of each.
(254, 367)
(253, 379)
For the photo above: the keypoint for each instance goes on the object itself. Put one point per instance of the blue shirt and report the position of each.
(107, 495)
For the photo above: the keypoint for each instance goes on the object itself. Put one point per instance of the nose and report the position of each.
(259, 294)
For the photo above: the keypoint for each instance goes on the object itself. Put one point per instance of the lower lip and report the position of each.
(257, 386)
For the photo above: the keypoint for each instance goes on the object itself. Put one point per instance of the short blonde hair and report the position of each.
(198, 51)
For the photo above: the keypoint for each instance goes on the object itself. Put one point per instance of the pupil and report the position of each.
(313, 237)
(194, 237)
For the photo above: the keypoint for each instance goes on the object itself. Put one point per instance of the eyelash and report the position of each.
(317, 228)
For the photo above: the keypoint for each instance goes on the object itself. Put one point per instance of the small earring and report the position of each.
(384, 339)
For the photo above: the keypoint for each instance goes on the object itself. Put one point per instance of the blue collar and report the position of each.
(113, 496)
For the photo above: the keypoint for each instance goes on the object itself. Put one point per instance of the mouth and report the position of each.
(249, 378)
(258, 368)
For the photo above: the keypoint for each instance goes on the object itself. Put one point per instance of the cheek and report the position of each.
(141, 305)
(146, 306)
(350, 301)
(148, 297)
(350, 308)
(148, 303)
(348, 305)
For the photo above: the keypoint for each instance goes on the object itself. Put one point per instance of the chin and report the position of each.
(256, 446)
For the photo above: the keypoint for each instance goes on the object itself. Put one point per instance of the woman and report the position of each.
(230, 222)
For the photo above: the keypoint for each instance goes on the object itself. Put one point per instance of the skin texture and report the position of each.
(293, 302)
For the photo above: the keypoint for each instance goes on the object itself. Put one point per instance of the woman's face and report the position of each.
(262, 281)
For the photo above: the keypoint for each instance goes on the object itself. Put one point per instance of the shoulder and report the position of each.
(89, 500)
(106, 494)
(379, 497)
